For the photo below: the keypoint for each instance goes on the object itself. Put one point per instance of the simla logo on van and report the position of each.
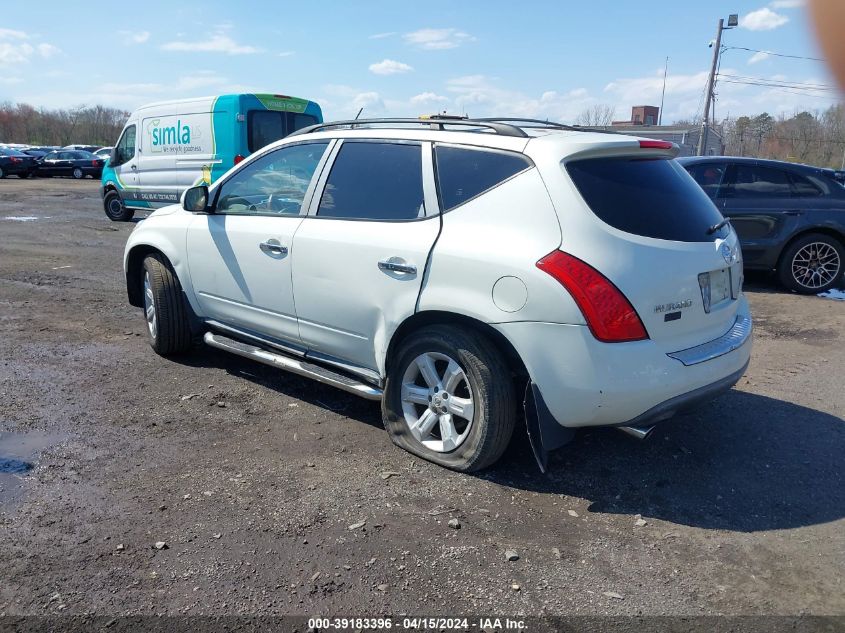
(173, 136)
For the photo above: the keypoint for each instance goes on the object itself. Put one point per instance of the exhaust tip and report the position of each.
(639, 432)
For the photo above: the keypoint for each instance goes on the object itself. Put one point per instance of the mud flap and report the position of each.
(544, 432)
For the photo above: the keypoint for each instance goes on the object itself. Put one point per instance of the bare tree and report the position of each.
(92, 125)
(599, 115)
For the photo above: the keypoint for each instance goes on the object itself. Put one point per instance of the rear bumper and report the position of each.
(584, 382)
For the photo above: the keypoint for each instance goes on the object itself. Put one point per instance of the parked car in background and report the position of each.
(15, 163)
(790, 218)
(167, 147)
(70, 163)
(84, 148)
(424, 266)
(103, 152)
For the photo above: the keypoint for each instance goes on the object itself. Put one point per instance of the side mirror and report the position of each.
(195, 199)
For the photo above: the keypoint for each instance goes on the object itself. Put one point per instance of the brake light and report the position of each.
(15, 159)
(95, 163)
(652, 144)
(239, 158)
(609, 315)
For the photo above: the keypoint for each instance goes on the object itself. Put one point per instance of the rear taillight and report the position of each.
(239, 158)
(651, 144)
(610, 316)
(95, 163)
(16, 160)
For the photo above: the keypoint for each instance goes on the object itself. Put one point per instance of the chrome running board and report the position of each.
(294, 365)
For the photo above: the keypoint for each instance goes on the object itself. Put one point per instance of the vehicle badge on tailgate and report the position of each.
(728, 253)
(670, 307)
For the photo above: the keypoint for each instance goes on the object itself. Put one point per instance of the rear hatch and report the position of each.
(652, 233)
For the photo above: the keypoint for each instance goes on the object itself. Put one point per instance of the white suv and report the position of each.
(467, 273)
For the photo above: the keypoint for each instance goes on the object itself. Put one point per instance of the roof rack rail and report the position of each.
(502, 129)
(540, 123)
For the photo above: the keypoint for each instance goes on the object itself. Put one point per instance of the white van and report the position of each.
(169, 146)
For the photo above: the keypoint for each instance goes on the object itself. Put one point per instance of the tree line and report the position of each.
(815, 138)
(86, 125)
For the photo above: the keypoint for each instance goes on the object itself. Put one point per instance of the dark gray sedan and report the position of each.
(790, 218)
(73, 163)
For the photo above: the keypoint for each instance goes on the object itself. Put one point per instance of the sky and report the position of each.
(531, 59)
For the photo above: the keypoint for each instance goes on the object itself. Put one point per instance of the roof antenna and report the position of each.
(359, 113)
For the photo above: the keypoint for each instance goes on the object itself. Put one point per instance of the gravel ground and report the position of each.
(213, 485)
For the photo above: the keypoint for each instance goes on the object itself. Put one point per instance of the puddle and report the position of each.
(19, 454)
(836, 295)
(21, 218)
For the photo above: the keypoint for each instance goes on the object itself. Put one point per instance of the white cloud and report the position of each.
(15, 48)
(48, 50)
(381, 36)
(428, 98)
(759, 56)
(389, 67)
(134, 37)
(438, 39)
(787, 4)
(217, 43)
(286, 53)
(10, 34)
(762, 20)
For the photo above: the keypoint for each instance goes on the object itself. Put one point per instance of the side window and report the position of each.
(125, 148)
(802, 187)
(709, 177)
(464, 173)
(274, 184)
(67, 156)
(51, 156)
(752, 181)
(375, 181)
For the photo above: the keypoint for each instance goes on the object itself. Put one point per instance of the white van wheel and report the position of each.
(115, 208)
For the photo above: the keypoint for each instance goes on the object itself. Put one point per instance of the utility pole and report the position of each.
(663, 94)
(733, 20)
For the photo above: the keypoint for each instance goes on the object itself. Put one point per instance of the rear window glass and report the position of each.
(267, 126)
(752, 181)
(464, 173)
(649, 197)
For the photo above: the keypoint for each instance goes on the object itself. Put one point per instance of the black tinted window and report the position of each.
(125, 148)
(649, 197)
(266, 126)
(708, 176)
(375, 181)
(751, 181)
(464, 173)
(802, 187)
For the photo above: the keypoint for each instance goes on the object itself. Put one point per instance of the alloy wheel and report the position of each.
(150, 306)
(815, 265)
(437, 402)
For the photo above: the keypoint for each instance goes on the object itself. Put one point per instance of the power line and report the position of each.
(784, 82)
(754, 50)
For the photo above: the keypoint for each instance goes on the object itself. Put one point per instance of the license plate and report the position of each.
(715, 287)
(720, 286)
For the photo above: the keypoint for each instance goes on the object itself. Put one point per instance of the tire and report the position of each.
(25, 174)
(812, 264)
(77, 173)
(168, 328)
(2, 173)
(478, 440)
(115, 208)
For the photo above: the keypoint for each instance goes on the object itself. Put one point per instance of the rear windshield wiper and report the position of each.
(718, 226)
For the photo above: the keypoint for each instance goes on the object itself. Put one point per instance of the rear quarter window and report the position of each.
(646, 196)
(463, 173)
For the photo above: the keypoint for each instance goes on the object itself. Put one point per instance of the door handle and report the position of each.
(273, 247)
(397, 265)
(133, 167)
